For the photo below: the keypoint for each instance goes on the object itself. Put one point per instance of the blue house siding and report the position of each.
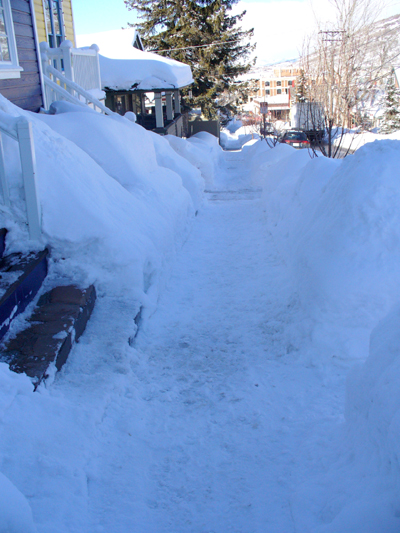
(26, 91)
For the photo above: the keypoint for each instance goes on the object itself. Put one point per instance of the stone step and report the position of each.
(58, 320)
(21, 276)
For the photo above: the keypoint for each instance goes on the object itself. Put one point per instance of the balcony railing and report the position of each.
(77, 65)
(20, 129)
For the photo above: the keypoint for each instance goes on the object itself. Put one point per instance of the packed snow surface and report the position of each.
(260, 393)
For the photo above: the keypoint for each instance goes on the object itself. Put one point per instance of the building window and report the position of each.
(267, 91)
(279, 83)
(286, 91)
(54, 25)
(279, 91)
(267, 84)
(120, 104)
(9, 67)
(290, 83)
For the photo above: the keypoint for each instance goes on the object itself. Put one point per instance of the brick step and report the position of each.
(21, 276)
(59, 319)
(3, 233)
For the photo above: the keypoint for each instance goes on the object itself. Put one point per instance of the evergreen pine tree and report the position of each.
(391, 117)
(183, 27)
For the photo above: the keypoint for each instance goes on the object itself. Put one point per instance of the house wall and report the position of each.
(26, 91)
(67, 18)
(40, 22)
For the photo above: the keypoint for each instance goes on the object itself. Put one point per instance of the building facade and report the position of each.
(20, 79)
(23, 24)
(54, 21)
(277, 89)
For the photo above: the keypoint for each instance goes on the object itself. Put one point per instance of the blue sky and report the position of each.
(92, 16)
(280, 25)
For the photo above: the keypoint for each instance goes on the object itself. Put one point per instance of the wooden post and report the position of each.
(65, 48)
(142, 97)
(45, 61)
(96, 49)
(3, 180)
(28, 165)
(177, 102)
(159, 110)
(170, 111)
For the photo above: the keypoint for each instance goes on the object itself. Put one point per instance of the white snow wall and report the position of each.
(116, 200)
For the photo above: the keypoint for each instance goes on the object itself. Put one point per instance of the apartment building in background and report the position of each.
(276, 86)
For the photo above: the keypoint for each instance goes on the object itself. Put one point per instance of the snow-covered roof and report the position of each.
(124, 67)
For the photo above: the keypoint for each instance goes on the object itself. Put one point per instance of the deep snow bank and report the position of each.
(361, 491)
(347, 247)
(353, 140)
(202, 151)
(373, 400)
(115, 200)
(337, 225)
(15, 512)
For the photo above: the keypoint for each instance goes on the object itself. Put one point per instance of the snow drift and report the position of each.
(336, 223)
(202, 151)
(110, 203)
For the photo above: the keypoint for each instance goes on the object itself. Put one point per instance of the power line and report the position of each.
(195, 46)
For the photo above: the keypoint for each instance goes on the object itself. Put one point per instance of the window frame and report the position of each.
(10, 69)
(54, 36)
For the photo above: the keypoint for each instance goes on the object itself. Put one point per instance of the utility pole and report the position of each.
(264, 111)
(331, 36)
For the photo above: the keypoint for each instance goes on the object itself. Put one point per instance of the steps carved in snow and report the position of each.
(240, 194)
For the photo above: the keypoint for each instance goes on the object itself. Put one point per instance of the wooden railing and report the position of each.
(20, 129)
(176, 127)
(79, 66)
(58, 87)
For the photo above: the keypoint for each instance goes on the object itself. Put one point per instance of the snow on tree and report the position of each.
(391, 117)
(202, 34)
(301, 88)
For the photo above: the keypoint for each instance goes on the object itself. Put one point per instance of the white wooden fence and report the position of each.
(20, 129)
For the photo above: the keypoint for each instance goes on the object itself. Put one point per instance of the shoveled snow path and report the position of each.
(210, 421)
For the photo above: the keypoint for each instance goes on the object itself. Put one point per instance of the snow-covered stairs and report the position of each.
(21, 276)
(58, 320)
(239, 194)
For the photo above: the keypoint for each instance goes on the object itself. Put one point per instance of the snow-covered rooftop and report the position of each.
(124, 67)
